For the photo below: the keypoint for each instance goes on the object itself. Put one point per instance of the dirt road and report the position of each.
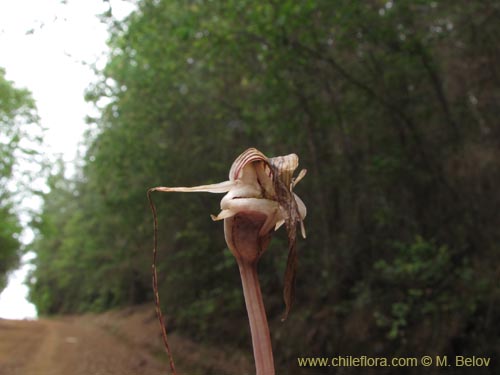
(125, 342)
(69, 346)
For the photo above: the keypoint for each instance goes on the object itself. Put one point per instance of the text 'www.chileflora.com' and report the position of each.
(423, 361)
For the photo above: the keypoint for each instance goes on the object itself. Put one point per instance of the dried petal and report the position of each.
(221, 187)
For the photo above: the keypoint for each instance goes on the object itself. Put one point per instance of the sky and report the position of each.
(48, 47)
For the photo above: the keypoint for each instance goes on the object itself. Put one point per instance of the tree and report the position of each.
(17, 119)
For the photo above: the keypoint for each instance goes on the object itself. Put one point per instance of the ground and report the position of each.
(125, 342)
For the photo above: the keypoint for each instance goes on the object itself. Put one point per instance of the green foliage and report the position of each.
(425, 283)
(17, 115)
(392, 107)
(9, 243)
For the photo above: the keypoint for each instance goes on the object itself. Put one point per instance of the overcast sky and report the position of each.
(46, 46)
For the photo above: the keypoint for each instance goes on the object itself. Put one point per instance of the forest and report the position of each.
(20, 137)
(392, 106)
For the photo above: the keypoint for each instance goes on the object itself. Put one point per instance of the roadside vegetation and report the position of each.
(392, 107)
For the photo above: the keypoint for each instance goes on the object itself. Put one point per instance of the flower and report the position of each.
(259, 199)
(259, 189)
(258, 184)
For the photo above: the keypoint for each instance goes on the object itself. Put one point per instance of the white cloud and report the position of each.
(13, 300)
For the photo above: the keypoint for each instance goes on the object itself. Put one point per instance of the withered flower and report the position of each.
(259, 200)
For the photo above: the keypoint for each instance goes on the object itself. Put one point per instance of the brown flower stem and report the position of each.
(261, 339)
(247, 245)
(159, 314)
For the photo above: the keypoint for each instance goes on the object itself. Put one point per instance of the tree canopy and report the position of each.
(392, 107)
(17, 117)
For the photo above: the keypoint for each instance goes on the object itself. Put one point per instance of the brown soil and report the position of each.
(125, 342)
